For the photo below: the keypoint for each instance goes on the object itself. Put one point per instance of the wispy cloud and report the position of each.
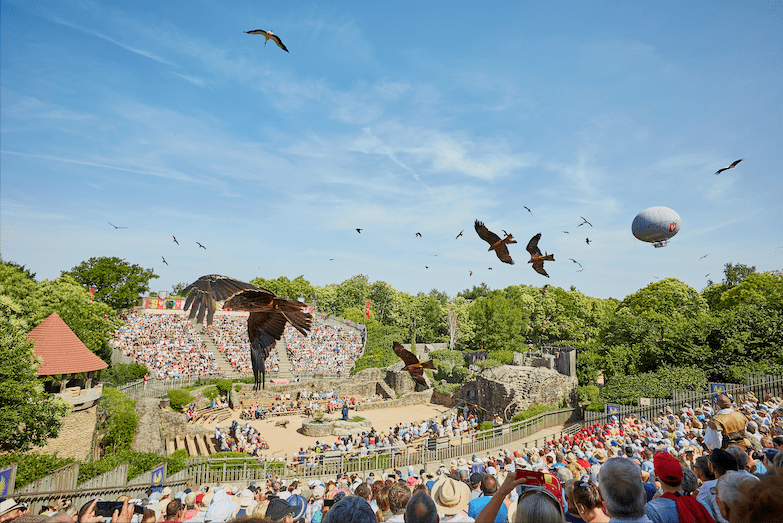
(192, 79)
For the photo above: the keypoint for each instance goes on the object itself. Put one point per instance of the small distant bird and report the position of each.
(489, 268)
(576, 262)
(175, 239)
(543, 290)
(359, 230)
(460, 233)
(535, 255)
(202, 246)
(566, 232)
(110, 223)
(426, 267)
(580, 270)
(267, 35)
(707, 274)
(704, 256)
(436, 254)
(331, 259)
(412, 363)
(164, 260)
(495, 243)
(471, 273)
(418, 234)
(528, 210)
(268, 313)
(732, 166)
(588, 240)
(584, 222)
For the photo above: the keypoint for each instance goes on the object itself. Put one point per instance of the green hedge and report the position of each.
(122, 373)
(33, 466)
(210, 392)
(533, 410)
(179, 398)
(118, 420)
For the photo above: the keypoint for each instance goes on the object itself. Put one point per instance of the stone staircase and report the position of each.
(285, 364)
(228, 371)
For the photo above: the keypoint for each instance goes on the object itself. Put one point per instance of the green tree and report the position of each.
(475, 292)
(762, 288)
(28, 416)
(734, 274)
(500, 324)
(117, 282)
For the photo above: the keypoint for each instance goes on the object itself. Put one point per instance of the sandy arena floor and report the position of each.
(287, 441)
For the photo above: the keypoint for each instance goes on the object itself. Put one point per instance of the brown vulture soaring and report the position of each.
(536, 258)
(412, 364)
(268, 313)
(495, 243)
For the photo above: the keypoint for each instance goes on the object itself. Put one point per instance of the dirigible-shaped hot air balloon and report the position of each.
(656, 225)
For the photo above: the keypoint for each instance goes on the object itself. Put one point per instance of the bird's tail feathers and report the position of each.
(427, 365)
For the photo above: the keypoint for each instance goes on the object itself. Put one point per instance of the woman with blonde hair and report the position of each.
(588, 503)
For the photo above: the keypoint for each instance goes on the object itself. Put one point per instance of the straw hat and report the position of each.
(450, 496)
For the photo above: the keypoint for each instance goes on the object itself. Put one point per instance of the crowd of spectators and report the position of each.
(230, 336)
(167, 344)
(240, 438)
(325, 349)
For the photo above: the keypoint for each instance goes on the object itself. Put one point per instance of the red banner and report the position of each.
(367, 309)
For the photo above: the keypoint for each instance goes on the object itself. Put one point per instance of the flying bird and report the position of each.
(268, 313)
(704, 256)
(412, 364)
(543, 290)
(707, 274)
(164, 260)
(584, 222)
(580, 270)
(566, 232)
(110, 223)
(202, 246)
(495, 243)
(175, 239)
(436, 254)
(460, 234)
(359, 230)
(732, 166)
(426, 267)
(418, 235)
(489, 268)
(471, 273)
(587, 240)
(267, 35)
(576, 262)
(331, 259)
(528, 210)
(535, 255)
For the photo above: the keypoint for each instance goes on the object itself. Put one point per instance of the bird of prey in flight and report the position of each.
(202, 246)
(495, 243)
(460, 234)
(164, 260)
(110, 223)
(732, 166)
(489, 268)
(267, 35)
(528, 209)
(268, 313)
(704, 256)
(471, 273)
(426, 267)
(175, 239)
(418, 235)
(587, 240)
(536, 258)
(584, 222)
(576, 262)
(359, 230)
(412, 364)
(566, 232)
(580, 270)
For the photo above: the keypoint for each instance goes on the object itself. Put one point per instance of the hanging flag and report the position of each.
(367, 309)
(7, 480)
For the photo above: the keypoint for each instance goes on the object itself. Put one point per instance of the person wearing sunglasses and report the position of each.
(588, 503)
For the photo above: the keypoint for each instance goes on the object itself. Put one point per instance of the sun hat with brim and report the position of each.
(245, 498)
(278, 509)
(450, 496)
(300, 506)
(8, 505)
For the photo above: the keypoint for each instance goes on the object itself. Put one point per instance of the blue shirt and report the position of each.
(478, 504)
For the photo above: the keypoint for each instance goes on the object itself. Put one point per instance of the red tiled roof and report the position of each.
(60, 350)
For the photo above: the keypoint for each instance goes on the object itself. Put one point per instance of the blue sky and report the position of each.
(397, 118)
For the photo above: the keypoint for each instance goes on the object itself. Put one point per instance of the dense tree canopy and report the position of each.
(117, 283)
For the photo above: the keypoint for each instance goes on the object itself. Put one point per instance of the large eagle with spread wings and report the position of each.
(412, 363)
(536, 258)
(268, 313)
(495, 243)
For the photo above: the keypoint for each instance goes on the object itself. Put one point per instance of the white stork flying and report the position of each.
(267, 35)
(732, 166)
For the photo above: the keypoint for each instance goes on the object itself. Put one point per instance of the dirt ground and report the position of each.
(75, 438)
(285, 441)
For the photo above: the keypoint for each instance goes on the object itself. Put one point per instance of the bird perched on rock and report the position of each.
(536, 258)
(267, 36)
(268, 313)
(732, 166)
(495, 243)
(412, 363)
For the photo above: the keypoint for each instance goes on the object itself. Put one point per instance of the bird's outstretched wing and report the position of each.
(209, 289)
(405, 355)
(503, 254)
(732, 166)
(535, 255)
(532, 246)
(460, 233)
(279, 43)
(268, 35)
(485, 234)
(538, 266)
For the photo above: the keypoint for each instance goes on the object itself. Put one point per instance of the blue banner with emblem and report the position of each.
(717, 389)
(158, 475)
(612, 410)
(7, 480)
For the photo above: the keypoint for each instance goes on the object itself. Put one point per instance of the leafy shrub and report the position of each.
(238, 387)
(503, 357)
(122, 373)
(486, 425)
(224, 386)
(33, 466)
(626, 390)
(117, 417)
(587, 393)
(210, 393)
(179, 398)
(452, 357)
(533, 410)
(458, 375)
